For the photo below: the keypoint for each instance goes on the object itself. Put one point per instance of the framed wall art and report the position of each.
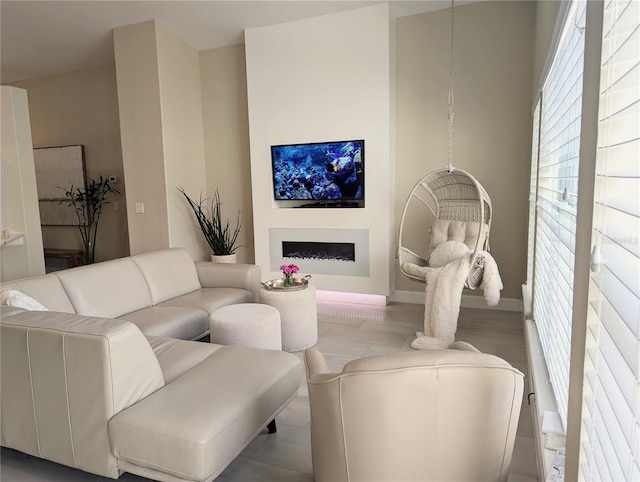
(57, 169)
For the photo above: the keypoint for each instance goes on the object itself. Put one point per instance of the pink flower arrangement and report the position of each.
(289, 269)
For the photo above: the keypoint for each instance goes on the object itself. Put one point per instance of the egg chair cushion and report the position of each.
(466, 232)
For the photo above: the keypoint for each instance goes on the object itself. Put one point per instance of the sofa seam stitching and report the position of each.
(504, 452)
(435, 466)
(66, 391)
(344, 437)
(33, 398)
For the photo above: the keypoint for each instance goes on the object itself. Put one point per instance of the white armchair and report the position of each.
(440, 415)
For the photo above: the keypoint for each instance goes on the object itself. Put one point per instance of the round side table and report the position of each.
(298, 316)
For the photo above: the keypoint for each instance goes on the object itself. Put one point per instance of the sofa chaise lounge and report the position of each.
(106, 396)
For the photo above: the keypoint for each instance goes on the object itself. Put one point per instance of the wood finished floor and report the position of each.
(346, 332)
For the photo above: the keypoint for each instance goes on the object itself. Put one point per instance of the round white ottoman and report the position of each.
(249, 324)
(298, 316)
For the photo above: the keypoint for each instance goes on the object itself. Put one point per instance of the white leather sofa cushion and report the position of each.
(169, 273)
(172, 321)
(109, 289)
(176, 357)
(200, 421)
(210, 299)
(46, 289)
(464, 231)
(67, 375)
(223, 275)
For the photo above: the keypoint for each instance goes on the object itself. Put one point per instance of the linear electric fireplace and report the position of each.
(321, 251)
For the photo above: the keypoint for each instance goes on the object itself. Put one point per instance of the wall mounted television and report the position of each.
(331, 174)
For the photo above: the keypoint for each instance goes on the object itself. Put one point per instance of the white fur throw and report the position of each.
(447, 252)
(444, 293)
(19, 300)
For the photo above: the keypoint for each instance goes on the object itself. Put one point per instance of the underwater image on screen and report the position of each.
(321, 171)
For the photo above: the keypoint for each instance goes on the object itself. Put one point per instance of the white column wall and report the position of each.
(181, 104)
(326, 78)
(20, 212)
(141, 135)
(160, 106)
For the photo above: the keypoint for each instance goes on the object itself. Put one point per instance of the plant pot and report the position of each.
(224, 258)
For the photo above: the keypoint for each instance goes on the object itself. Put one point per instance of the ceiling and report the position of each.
(41, 38)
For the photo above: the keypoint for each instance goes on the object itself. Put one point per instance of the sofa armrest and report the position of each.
(6, 311)
(63, 377)
(223, 275)
(464, 346)
(315, 363)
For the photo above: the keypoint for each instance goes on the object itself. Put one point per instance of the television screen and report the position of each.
(323, 171)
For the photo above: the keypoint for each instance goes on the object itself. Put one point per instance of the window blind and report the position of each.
(611, 410)
(533, 189)
(557, 185)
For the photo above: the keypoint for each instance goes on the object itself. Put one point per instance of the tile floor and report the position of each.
(346, 331)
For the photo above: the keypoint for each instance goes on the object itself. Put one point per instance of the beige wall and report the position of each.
(492, 126)
(547, 19)
(226, 137)
(82, 108)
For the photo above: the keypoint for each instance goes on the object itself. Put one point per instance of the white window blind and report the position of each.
(557, 185)
(533, 188)
(611, 410)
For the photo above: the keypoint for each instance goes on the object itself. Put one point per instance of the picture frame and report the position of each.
(57, 169)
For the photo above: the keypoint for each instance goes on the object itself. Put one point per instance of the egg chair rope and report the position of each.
(451, 195)
(450, 98)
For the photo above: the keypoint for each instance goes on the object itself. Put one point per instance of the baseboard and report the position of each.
(505, 304)
(361, 298)
(468, 301)
(415, 297)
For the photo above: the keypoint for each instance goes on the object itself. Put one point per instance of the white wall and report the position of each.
(181, 100)
(19, 212)
(325, 79)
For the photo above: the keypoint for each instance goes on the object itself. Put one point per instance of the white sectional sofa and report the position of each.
(164, 293)
(86, 390)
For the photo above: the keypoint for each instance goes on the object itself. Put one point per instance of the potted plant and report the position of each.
(218, 232)
(87, 204)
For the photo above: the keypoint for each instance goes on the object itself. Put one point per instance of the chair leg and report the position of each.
(272, 426)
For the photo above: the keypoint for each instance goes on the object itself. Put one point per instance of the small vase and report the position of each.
(288, 280)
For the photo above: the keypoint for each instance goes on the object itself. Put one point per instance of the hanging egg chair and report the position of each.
(461, 211)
